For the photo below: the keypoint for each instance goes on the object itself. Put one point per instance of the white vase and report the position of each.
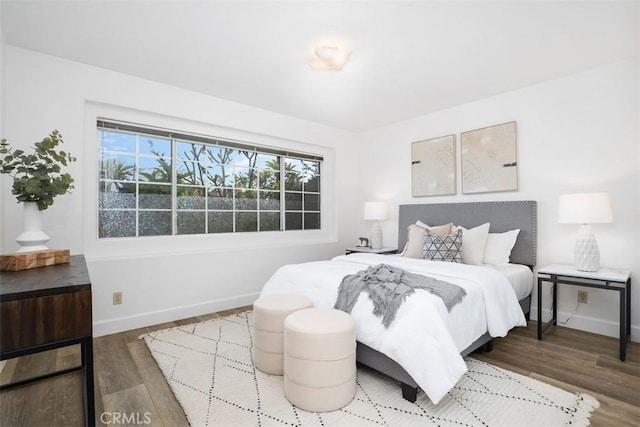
(32, 238)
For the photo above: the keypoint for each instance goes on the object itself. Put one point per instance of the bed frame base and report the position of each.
(409, 393)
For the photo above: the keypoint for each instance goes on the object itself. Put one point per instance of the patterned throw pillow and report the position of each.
(447, 249)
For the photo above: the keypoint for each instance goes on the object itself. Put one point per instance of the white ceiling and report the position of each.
(409, 58)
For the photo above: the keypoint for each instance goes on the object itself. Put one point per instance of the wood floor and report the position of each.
(130, 385)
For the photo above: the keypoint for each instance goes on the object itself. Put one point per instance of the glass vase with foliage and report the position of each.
(37, 177)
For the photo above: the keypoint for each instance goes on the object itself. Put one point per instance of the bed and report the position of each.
(430, 358)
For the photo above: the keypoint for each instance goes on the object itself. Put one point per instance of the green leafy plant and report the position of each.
(37, 177)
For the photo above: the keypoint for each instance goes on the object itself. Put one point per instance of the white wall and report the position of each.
(575, 134)
(163, 278)
(2, 122)
(579, 133)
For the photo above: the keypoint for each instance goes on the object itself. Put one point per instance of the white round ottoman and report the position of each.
(319, 359)
(269, 313)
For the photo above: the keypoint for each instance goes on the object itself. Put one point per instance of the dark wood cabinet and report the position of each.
(47, 308)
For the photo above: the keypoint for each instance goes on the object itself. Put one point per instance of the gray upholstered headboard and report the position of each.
(503, 216)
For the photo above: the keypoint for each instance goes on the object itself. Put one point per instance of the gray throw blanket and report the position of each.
(388, 287)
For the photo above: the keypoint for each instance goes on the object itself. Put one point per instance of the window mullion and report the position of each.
(174, 188)
(137, 181)
(233, 195)
(205, 182)
(282, 198)
(257, 172)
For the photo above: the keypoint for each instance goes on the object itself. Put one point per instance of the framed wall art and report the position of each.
(433, 166)
(489, 159)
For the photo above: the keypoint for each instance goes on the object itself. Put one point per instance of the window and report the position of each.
(154, 182)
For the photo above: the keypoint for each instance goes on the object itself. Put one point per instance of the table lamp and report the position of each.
(375, 211)
(585, 209)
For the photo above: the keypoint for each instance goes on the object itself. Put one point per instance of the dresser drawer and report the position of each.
(40, 320)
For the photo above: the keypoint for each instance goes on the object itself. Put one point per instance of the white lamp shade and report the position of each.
(584, 208)
(375, 211)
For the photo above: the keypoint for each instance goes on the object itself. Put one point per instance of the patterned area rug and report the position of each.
(209, 368)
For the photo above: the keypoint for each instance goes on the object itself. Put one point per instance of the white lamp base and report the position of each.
(376, 235)
(586, 254)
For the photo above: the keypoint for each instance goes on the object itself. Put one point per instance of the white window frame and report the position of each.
(171, 245)
(176, 137)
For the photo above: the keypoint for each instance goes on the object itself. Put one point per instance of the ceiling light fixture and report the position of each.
(330, 57)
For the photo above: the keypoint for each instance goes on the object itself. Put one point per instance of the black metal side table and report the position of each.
(609, 279)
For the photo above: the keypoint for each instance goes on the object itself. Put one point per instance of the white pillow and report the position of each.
(415, 236)
(441, 230)
(473, 243)
(499, 246)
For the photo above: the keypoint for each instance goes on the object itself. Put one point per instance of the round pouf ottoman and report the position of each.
(319, 359)
(269, 313)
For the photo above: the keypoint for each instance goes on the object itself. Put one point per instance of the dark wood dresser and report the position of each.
(47, 308)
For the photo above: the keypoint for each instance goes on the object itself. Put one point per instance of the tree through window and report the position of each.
(159, 183)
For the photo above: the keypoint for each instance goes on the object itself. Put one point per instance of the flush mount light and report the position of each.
(330, 57)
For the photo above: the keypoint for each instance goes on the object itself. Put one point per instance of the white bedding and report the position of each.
(424, 338)
(520, 276)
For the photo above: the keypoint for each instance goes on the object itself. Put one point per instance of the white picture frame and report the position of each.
(433, 167)
(489, 159)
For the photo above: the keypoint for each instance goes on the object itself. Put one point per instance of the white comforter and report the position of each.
(424, 338)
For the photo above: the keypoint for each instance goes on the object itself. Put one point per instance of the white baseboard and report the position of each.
(590, 324)
(121, 324)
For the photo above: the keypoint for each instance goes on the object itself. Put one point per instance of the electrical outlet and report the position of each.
(117, 298)
(583, 297)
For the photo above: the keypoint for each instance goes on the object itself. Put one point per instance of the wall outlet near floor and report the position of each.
(117, 298)
(583, 297)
